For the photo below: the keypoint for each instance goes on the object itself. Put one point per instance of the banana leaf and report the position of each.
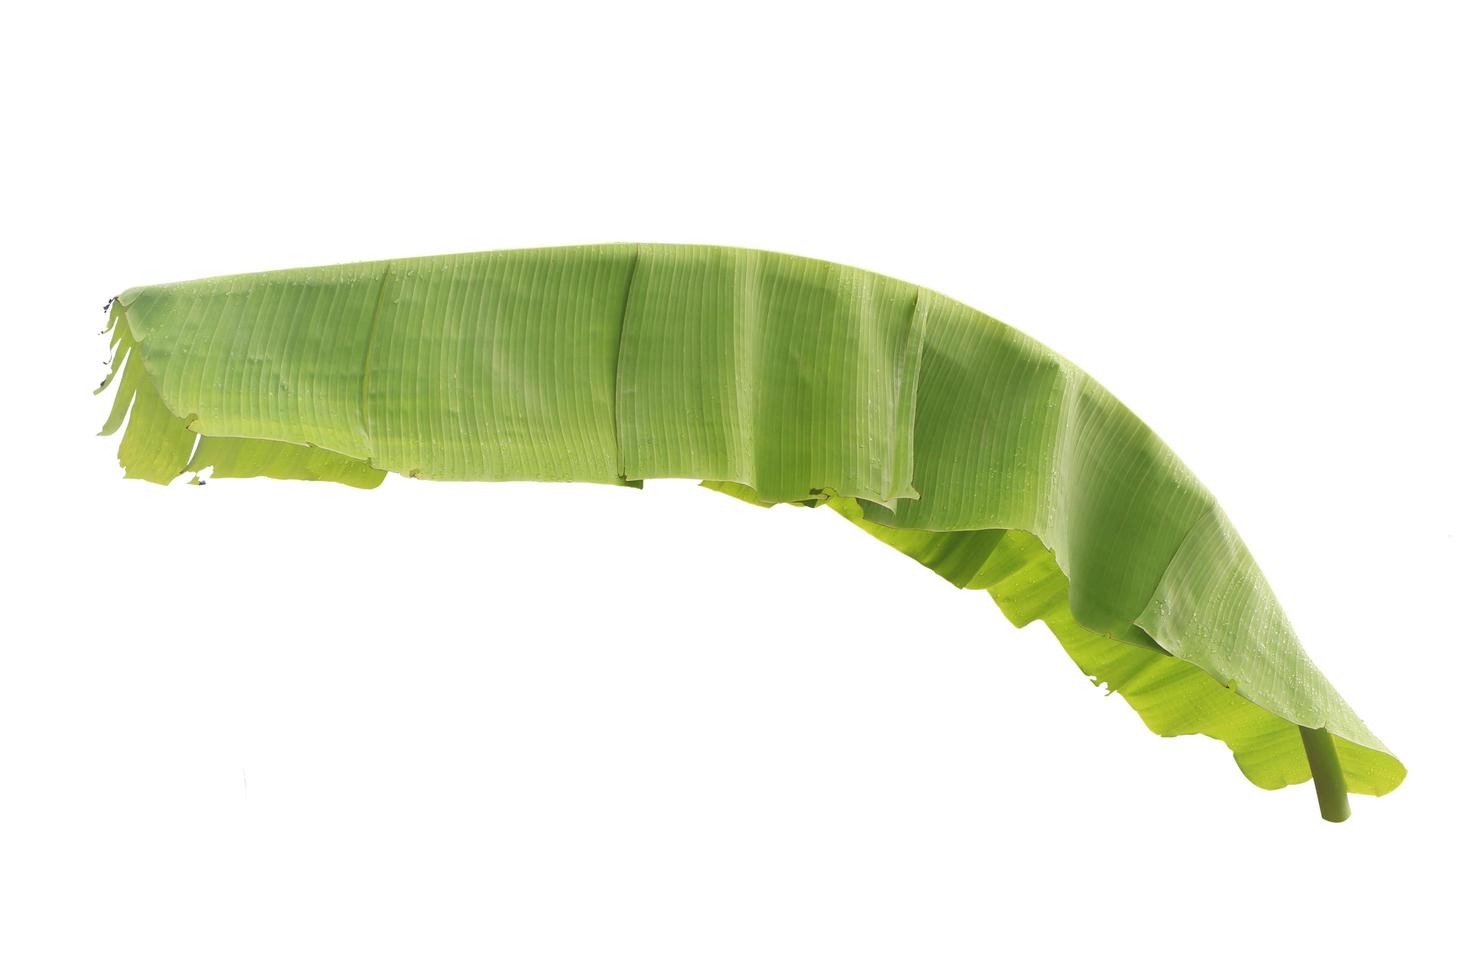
(951, 437)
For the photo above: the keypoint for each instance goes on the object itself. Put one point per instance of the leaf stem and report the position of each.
(1326, 774)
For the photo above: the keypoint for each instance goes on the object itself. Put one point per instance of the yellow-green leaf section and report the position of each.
(950, 436)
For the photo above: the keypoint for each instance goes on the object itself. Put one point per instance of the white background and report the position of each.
(262, 729)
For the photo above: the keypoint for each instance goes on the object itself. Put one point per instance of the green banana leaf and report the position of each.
(942, 432)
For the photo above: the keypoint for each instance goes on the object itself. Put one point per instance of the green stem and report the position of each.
(1326, 774)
